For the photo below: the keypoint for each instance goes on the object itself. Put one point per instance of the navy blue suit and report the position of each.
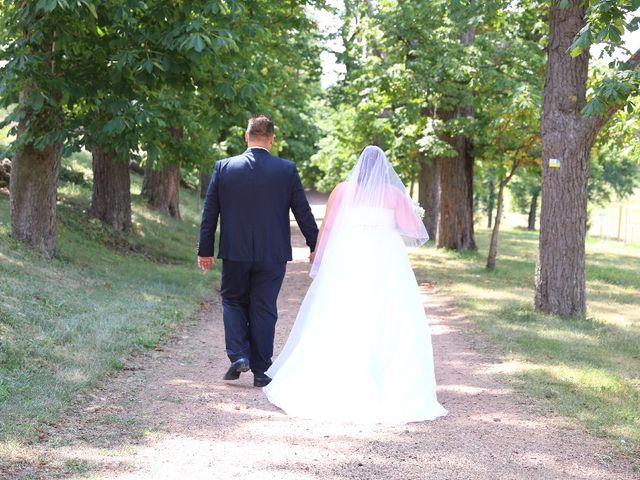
(252, 194)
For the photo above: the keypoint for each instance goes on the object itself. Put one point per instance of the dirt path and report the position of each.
(169, 416)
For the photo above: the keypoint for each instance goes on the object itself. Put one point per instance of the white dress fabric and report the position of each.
(360, 349)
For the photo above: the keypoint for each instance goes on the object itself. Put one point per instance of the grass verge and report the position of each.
(67, 322)
(586, 369)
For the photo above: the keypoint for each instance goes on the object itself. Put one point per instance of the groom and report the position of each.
(252, 193)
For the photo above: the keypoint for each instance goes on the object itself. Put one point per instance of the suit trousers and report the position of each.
(249, 292)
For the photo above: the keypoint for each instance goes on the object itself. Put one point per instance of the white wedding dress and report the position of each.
(360, 350)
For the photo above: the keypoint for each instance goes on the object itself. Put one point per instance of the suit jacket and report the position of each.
(252, 194)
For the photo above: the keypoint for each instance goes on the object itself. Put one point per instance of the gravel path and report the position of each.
(169, 416)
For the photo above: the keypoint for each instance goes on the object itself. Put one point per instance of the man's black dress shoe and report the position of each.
(240, 365)
(261, 380)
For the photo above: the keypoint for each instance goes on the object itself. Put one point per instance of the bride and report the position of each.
(360, 348)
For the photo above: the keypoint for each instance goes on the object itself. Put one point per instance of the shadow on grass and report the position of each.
(609, 408)
(591, 364)
(66, 322)
(625, 275)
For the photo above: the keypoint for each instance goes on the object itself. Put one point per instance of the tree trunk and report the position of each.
(455, 224)
(412, 186)
(5, 173)
(490, 203)
(560, 272)
(111, 199)
(33, 185)
(429, 194)
(205, 179)
(533, 209)
(162, 188)
(493, 245)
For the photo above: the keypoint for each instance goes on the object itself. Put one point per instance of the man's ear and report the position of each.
(246, 137)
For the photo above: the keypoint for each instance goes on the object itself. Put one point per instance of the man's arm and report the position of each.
(302, 211)
(209, 222)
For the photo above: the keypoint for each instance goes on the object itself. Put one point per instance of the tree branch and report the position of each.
(594, 124)
(514, 167)
(633, 61)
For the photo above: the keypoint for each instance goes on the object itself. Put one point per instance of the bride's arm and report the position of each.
(406, 218)
(329, 217)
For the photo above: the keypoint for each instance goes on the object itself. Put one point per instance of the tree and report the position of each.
(406, 89)
(111, 193)
(122, 77)
(434, 48)
(455, 225)
(161, 186)
(80, 74)
(490, 197)
(129, 61)
(273, 69)
(38, 79)
(525, 192)
(429, 194)
(569, 128)
(434, 80)
(142, 91)
(512, 141)
(510, 120)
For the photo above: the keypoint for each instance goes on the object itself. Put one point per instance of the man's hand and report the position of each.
(205, 263)
(312, 257)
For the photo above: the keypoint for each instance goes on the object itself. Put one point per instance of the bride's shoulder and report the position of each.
(339, 189)
(336, 194)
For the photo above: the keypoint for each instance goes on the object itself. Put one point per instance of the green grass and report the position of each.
(67, 322)
(586, 369)
(77, 466)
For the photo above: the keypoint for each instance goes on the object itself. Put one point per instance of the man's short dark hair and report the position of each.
(261, 126)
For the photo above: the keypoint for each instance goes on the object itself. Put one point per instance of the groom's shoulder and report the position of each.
(288, 164)
(231, 160)
(240, 156)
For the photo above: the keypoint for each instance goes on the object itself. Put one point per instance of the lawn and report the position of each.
(587, 369)
(67, 322)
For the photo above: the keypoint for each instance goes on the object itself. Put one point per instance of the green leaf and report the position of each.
(575, 51)
(47, 5)
(582, 42)
(114, 126)
(225, 91)
(633, 24)
(36, 101)
(594, 108)
(212, 8)
(194, 42)
(92, 9)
